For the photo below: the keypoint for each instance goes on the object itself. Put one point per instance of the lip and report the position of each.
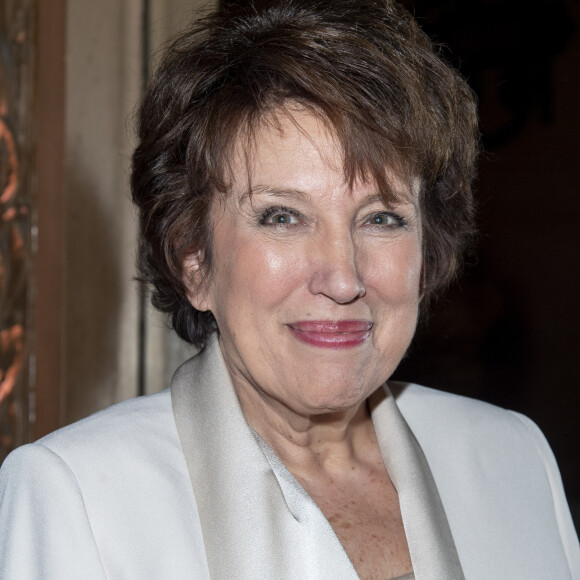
(334, 334)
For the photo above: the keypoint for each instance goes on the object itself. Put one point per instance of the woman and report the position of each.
(303, 179)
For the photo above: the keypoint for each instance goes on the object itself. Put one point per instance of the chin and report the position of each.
(336, 398)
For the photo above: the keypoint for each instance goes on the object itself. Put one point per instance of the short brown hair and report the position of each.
(365, 67)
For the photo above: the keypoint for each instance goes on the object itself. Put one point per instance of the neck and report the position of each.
(306, 442)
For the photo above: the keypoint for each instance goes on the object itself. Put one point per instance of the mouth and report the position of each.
(334, 334)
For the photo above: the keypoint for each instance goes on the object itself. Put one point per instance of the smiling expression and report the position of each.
(315, 285)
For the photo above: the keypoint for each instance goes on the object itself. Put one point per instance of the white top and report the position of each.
(174, 485)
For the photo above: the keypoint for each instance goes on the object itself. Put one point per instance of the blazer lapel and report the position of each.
(249, 529)
(431, 544)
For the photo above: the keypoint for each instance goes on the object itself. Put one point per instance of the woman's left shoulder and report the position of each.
(498, 480)
(470, 428)
(443, 411)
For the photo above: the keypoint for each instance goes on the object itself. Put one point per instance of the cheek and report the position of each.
(411, 271)
(253, 273)
(395, 272)
(274, 272)
(276, 265)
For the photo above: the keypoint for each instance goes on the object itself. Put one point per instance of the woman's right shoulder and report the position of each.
(142, 427)
(105, 493)
(121, 423)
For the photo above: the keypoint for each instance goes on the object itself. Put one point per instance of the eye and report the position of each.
(282, 218)
(386, 219)
(279, 216)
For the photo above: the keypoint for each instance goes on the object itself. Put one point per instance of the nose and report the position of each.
(334, 269)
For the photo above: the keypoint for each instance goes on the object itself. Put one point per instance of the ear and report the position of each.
(194, 280)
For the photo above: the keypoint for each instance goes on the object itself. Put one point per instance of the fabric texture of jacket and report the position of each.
(176, 485)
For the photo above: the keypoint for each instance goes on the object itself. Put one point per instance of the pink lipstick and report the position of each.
(336, 334)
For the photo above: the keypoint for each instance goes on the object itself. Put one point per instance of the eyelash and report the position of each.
(399, 220)
(278, 210)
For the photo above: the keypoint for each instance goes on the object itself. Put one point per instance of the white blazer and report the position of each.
(176, 485)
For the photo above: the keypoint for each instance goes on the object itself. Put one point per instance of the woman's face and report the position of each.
(315, 286)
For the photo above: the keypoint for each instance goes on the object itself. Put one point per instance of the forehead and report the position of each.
(294, 148)
(286, 146)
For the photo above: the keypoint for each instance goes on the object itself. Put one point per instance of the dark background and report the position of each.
(508, 331)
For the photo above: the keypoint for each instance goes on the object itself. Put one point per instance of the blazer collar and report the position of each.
(431, 545)
(256, 525)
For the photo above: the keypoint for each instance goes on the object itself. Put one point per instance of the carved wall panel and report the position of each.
(16, 217)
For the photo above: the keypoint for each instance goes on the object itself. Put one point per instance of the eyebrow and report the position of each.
(378, 198)
(282, 192)
(298, 194)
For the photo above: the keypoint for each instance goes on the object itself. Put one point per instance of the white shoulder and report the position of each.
(466, 424)
(562, 511)
(498, 480)
(415, 399)
(44, 528)
(108, 496)
(125, 423)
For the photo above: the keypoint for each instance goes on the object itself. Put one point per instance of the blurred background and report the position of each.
(76, 334)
